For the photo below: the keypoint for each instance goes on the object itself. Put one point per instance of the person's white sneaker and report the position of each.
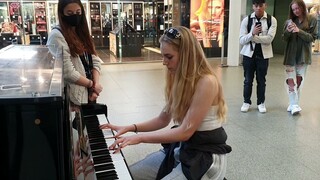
(289, 108)
(295, 109)
(262, 108)
(245, 107)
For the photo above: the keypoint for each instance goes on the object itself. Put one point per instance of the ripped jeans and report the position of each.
(294, 82)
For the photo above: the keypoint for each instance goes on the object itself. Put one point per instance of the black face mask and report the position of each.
(73, 20)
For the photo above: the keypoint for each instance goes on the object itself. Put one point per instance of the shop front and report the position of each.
(30, 22)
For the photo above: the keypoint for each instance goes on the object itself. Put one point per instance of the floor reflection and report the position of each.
(147, 55)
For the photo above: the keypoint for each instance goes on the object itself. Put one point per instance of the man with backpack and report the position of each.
(256, 35)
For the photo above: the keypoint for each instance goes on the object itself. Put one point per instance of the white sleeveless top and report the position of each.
(211, 121)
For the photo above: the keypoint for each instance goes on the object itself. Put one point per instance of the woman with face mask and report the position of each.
(71, 42)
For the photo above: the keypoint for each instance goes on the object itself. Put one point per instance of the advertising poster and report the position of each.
(206, 21)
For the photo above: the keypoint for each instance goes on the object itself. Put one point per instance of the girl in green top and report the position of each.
(299, 33)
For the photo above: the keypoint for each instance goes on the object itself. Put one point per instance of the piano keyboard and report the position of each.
(108, 166)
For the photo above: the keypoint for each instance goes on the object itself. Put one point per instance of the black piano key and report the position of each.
(98, 146)
(96, 140)
(91, 129)
(95, 134)
(103, 167)
(100, 152)
(93, 124)
(102, 159)
(107, 175)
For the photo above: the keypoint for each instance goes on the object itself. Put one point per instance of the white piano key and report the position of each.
(117, 158)
(107, 133)
(122, 171)
(102, 119)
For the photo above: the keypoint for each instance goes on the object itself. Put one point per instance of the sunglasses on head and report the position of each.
(172, 33)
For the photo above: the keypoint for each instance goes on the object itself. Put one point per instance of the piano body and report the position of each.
(42, 138)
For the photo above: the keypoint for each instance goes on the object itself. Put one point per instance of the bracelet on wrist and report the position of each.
(135, 128)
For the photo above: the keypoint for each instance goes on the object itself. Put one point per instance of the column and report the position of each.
(235, 17)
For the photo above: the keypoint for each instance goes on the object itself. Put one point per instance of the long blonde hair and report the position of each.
(192, 65)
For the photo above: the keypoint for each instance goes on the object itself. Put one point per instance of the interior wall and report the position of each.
(281, 10)
(269, 10)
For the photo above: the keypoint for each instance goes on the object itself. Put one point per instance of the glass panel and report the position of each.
(116, 12)
(106, 22)
(41, 20)
(15, 13)
(138, 16)
(128, 15)
(150, 35)
(53, 14)
(167, 14)
(95, 19)
(28, 16)
(3, 12)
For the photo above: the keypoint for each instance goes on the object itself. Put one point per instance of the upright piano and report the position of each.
(42, 137)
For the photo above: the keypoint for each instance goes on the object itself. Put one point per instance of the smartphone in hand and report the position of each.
(290, 25)
(258, 23)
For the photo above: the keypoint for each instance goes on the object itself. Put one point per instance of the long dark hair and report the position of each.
(78, 38)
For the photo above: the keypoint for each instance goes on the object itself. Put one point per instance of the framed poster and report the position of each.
(206, 21)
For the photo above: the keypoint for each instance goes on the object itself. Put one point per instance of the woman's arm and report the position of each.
(97, 88)
(268, 38)
(59, 49)
(286, 35)
(311, 33)
(153, 124)
(245, 36)
(203, 99)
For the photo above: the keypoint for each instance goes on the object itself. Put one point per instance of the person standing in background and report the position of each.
(196, 148)
(256, 51)
(71, 41)
(299, 32)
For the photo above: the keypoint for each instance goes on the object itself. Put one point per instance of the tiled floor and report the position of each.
(270, 146)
